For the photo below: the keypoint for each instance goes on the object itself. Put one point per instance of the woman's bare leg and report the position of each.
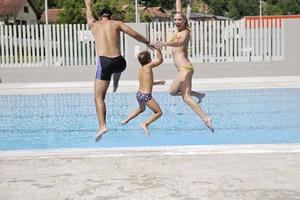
(175, 88)
(185, 89)
(198, 95)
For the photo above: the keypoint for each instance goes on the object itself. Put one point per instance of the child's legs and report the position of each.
(135, 113)
(153, 105)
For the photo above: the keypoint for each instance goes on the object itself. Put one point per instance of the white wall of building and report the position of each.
(29, 17)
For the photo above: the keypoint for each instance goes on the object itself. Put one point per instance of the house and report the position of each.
(52, 16)
(18, 12)
(156, 14)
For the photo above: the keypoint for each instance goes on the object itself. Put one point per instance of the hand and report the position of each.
(158, 45)
(151, 46)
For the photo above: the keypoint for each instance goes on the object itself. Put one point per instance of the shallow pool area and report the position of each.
(55, 121)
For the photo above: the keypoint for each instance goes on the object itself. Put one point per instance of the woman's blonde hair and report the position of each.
(186, 24)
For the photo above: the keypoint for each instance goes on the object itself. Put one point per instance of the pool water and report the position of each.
(52, 121)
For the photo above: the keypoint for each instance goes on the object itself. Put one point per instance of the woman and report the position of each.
(182, 85)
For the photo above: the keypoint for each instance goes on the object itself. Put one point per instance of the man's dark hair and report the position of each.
(105, 12)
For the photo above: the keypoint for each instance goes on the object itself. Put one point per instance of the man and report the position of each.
(106, 34)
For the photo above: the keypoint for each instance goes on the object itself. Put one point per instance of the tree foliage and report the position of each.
(239, 8)
(124, 9)
(121, 11)
(72, 13)
(167, 4)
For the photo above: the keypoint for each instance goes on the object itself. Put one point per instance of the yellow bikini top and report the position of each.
(175, 38)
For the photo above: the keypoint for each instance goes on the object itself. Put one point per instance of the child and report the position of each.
(144, 96)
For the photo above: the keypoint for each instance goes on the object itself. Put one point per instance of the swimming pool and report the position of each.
(52, 121)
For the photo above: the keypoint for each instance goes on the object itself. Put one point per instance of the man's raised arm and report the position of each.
(89, 13)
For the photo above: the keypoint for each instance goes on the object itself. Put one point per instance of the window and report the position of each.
(26, 10)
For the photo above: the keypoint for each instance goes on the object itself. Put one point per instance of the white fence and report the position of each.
(64, 45)
(73, 45)
(228, 41)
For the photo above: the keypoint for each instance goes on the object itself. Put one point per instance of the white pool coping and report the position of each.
(150, 151)
(132, 86)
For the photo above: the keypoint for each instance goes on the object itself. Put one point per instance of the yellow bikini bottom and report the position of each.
(188, 67)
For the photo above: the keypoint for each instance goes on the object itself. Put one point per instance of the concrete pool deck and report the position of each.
(201, 172)
(215, 172)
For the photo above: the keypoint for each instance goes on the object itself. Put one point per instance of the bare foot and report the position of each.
(145, 128)
(124, 122)
(100, 134)
(208, 123)
(200, 96)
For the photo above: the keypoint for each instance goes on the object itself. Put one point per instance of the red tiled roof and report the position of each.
(52, 15)
(11, 7)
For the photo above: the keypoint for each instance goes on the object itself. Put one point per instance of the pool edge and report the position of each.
(150, 151)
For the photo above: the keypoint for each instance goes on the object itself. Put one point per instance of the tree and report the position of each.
(238, 9)
(235, 9)
(167, 4)
(218, 7)
(290, 7)
(129, 14)
(72, 13)
(145, 18)
(99, 5)
(272, 10)
(115, 6)
(249, 7)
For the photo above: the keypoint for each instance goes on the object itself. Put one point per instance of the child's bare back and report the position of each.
(146, 78)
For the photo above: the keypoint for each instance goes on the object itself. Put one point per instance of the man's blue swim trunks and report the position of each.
(143, 98)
